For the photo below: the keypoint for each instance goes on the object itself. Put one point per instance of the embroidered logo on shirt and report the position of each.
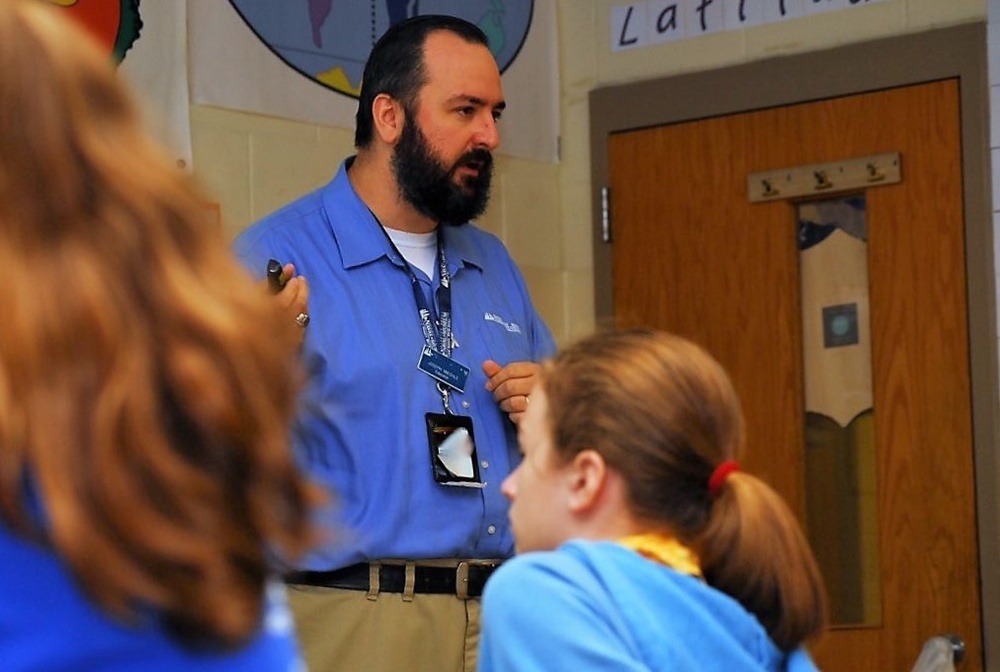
(509, 326)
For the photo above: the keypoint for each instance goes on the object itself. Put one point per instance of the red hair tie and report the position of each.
(718, 477)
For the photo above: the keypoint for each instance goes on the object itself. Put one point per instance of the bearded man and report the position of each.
(421, 350)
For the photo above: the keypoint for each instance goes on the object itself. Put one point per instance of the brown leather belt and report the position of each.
(464, 580)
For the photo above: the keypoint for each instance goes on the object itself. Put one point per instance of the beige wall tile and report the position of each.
(531, 199)
(245, 121)
(579, 290)
(576, 187)
(545, 286)
(934, 13)
(826, 30)
(492, 219)
(578, 229)
(335, 144)
(577, 57)
(285, 162)
(712, 51)
(221, 157)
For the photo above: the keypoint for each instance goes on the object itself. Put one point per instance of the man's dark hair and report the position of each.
(396, 65)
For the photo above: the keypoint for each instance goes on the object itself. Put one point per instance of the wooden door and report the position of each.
(692, 255)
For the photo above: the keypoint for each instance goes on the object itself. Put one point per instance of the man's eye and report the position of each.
(497, 114)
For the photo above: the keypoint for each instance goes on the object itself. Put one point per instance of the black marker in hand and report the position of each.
(275, 276)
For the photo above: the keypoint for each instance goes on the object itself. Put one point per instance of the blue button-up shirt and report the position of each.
(361, 432)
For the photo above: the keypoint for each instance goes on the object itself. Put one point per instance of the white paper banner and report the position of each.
(156, 67)
(232, 68)
(152, 38)
(643, 24)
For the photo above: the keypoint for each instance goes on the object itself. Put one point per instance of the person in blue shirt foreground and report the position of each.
(147, 488)
(420, 347)
(641, 544)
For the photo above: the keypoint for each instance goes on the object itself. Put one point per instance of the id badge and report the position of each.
(453, 450)
(443, 369)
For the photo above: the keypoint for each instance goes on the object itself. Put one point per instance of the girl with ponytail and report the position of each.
(641, 544)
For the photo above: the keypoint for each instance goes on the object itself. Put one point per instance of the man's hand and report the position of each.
(293, 299)
(511, 385)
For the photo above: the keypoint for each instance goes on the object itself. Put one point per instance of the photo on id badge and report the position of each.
(453, 450)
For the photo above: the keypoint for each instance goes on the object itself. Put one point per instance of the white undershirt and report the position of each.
(419, 249)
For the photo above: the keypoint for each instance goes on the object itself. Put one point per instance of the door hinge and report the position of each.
(606, 214)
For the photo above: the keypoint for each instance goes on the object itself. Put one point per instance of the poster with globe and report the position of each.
(303, 59)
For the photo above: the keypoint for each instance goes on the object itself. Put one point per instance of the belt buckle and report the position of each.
(462, 580)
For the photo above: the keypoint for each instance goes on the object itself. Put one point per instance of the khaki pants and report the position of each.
(345, 631)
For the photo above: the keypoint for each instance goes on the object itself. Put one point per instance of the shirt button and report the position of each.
(491, 529)
(465, 403)
(486, 464)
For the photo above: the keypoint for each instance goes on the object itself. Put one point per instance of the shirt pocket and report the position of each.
(506, 337)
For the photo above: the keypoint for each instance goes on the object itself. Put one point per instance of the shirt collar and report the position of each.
(359, 247)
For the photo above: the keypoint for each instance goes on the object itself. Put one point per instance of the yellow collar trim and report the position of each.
(665, 550)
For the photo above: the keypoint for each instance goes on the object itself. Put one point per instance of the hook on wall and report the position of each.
(822, 181)
(875, 174)
(854, 174)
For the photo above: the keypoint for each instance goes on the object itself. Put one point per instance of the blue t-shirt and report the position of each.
(361, 431)
(601, 606)
(47, 624)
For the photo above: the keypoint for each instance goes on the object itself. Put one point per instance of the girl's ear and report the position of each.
(587, 475)
(389, 118)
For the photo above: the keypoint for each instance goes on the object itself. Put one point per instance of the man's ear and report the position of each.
(389, 118)
(587, 476)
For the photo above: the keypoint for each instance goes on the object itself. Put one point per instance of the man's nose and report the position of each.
(488, 134)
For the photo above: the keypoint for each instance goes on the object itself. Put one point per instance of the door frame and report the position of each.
(947, 53)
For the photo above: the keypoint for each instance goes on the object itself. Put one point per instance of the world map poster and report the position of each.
(329, 40)
(303, 59)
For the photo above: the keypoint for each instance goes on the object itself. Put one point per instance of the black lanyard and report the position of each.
(437, 333)
(437, 336)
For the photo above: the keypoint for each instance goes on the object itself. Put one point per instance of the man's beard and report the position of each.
(430, 187)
